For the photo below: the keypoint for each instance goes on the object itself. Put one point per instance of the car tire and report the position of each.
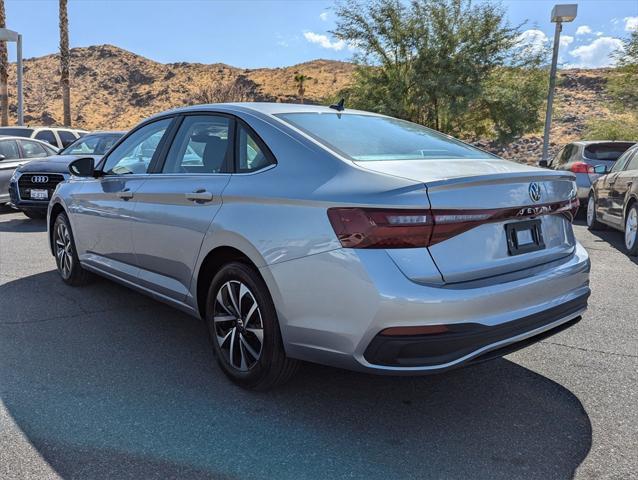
(66, 257)
(244, 330)
(35, 215)
(592, 222)
(631, 230)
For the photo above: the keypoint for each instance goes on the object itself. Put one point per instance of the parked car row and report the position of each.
(32, 184)
(338, 237)
(607, 178)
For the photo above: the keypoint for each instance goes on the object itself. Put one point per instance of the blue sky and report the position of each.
(260, 33)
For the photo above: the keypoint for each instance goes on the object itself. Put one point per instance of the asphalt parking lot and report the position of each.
(101, 382)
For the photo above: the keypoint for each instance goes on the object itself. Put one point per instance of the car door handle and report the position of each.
(125, 194)
(199, 196)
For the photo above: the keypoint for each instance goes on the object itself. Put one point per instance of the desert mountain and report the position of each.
(112, 88)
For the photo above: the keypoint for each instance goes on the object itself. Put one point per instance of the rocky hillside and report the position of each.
(114, 88)
(580, 96)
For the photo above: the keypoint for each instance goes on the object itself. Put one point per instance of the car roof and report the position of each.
(594, 142)
(17, 137)
(269, 108)
(105, 132)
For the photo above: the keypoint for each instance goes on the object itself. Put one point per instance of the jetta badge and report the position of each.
(39, 179)
(535, 192)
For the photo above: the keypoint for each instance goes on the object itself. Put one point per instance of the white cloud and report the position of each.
(324, 42)
(583, 30)
(323, 16)
(566, 41)
(631, 24)
(597, 54)
(533, 40)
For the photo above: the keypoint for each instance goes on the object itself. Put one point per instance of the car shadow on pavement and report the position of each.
(613, 237)
(22, 224)
(106, 383)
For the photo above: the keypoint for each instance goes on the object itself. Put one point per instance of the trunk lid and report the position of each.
(466, 186)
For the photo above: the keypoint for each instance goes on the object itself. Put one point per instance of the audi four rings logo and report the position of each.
(39, 179)
(535, 191)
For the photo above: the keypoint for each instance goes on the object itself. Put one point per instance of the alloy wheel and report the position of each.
(631, 228)
(238, 325)
(63, 250)
(591, 207)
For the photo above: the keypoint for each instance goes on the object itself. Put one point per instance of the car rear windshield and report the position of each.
(16, 132)
(367, 138)
(606, 151)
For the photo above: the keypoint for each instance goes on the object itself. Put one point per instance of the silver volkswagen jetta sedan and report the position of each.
(333, 236)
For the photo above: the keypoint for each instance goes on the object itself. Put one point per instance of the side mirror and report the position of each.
(542, 163)
(601, 169)
(2, 157)
(82, 167)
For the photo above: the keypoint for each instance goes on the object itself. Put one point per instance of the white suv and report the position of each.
(58, 137)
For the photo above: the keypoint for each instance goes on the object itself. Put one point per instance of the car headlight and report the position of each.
(14, 176)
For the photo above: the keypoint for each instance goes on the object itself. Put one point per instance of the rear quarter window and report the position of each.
(606, 151)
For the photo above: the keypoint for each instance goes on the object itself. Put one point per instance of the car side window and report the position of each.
(47, 136)
(66, 137)
(200, 146)
(33, 149)
(556, 160)
(9, 150)
(250, 155)
(632, 164)
(624, 159)
(135, 153)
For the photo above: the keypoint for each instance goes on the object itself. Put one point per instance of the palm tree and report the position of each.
(64, 63)
(4, 73)
(300, 80)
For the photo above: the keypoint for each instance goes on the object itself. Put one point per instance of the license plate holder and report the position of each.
(37, 194)
(524, 237)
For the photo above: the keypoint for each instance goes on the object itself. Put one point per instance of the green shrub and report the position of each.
(621, 127)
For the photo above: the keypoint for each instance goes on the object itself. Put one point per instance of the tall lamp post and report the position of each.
(560, 14)
(7, 35)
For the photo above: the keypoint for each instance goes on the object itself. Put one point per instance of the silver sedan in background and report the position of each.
(327, 235)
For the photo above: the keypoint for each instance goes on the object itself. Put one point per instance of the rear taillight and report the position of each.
(380, 228)
(581, 167)
(402, 228)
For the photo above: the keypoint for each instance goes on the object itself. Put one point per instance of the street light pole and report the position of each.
(19, 75)
(550, 94)
(560, 14)
(7, 35)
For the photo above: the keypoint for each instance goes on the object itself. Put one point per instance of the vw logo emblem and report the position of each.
(39, 179)
(535, 192)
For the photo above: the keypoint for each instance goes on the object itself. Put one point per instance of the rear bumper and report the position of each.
(336, 304)
(471, 341)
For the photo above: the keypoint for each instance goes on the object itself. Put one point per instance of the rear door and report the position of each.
(9, 161)
(177, 204)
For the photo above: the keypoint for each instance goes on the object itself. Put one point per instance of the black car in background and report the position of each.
(33, 183)
(613, 199)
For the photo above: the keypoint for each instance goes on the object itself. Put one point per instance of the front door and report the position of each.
(103, 208)
(619, 186)
(176, 205)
